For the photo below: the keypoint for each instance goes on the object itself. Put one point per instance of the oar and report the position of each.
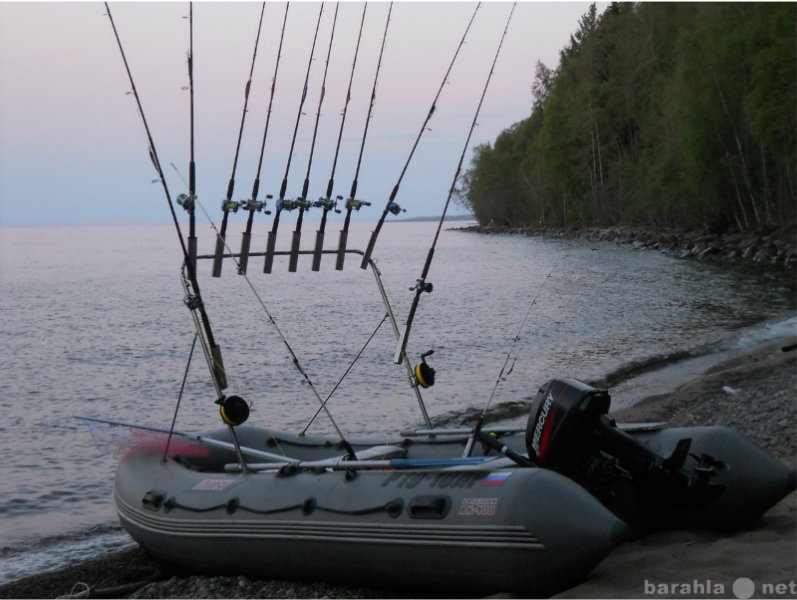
(344, 464)
(201, 439)
(458, 431)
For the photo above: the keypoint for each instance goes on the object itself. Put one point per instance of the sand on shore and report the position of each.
(755, 393)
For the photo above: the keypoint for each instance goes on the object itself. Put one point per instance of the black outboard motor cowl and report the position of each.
(562, 415)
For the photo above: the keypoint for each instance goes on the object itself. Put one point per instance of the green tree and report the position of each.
(667, 114)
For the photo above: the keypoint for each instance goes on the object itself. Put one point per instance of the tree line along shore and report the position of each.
(658, 115)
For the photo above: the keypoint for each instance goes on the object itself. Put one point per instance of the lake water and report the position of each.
(93, 323)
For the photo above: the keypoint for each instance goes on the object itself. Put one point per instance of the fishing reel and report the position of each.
(186, 201)
(290, 205)
(422, 286)
(283, 204)
(352, 204)
(394, 208)
(328, 204)
(255, 205)
(424, 374)
(234, 410)
(230, 206)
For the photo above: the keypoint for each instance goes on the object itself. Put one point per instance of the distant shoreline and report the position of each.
(747, 247)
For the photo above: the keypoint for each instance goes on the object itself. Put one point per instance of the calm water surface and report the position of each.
(93, 323)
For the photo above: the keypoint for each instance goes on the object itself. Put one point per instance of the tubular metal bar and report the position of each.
(207, 350)
(385, 301)
(276, 253)
(405, 359)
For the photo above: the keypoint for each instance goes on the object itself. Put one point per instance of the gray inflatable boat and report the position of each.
(410, 515)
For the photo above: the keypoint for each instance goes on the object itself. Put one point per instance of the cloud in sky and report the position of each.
(73, 150)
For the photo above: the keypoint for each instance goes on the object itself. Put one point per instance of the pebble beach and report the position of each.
(755, 393)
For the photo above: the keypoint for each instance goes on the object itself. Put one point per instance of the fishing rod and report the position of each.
(503, 373)
(302, 202)
(345, 374)
(392, 206)
(192, 241)
(253, 205)
(326, 203)
(281, 202)
(195, 301)
(351, 202)
(421, 285)
(200, 439)
(229, 205)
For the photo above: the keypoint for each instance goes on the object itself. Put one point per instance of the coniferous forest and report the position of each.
(663, 115)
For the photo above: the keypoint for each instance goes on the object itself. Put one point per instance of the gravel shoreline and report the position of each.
(755, 393)
(746, 247)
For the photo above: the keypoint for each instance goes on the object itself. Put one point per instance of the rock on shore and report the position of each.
(767, 249)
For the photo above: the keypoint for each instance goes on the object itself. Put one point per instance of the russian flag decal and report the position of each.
(495, 479)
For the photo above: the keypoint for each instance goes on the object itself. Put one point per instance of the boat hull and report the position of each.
(465, 531)
(751, 482)
(654, 477)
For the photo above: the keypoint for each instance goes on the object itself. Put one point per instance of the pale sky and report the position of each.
(73, 149)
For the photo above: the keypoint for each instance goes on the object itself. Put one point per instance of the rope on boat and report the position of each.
(228, 204)
(326, 203)
(391, 205)
(253, 205)
(351, 202)
(272, 234)
(302, 203)
(421, 285)
(307, 507)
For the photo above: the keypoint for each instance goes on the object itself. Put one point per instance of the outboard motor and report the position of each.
(563, 415)
(569, 430)
(651, 476)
